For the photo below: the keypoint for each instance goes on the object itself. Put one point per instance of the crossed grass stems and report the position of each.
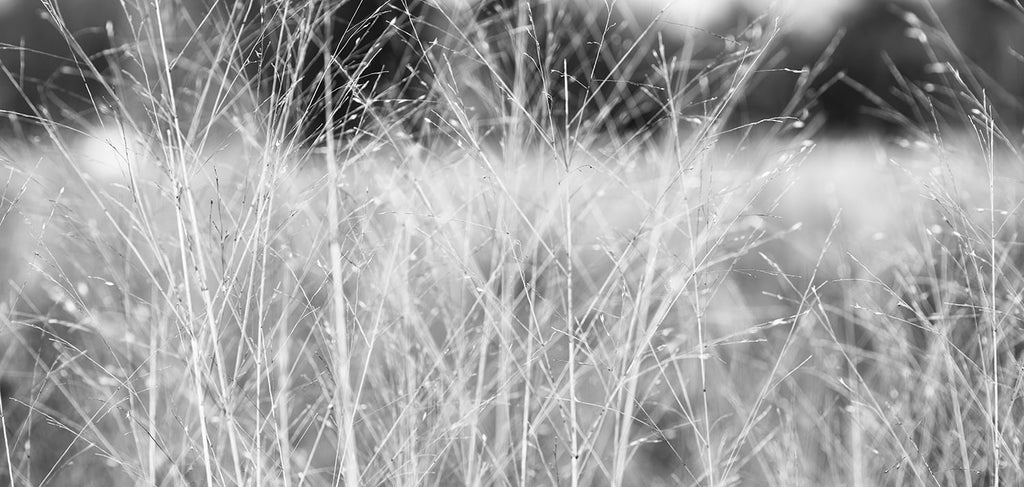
(519, 295)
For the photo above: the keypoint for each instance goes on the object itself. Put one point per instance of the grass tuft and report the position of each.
(547, 255)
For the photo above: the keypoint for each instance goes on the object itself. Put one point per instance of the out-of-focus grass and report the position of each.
(532, 304)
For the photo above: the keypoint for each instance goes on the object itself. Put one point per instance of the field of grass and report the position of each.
(193, 295)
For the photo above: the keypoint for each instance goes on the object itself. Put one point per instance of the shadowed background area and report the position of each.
(41, 73)
(877, 65)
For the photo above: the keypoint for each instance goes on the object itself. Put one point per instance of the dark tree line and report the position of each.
(37, 66)
(571, 65)
(375, 48)
(891, 66)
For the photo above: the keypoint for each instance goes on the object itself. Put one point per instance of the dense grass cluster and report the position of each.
(560, 260)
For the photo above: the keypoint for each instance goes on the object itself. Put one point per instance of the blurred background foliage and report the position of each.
(862, 65)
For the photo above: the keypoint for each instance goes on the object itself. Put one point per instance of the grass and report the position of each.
(196, 293)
